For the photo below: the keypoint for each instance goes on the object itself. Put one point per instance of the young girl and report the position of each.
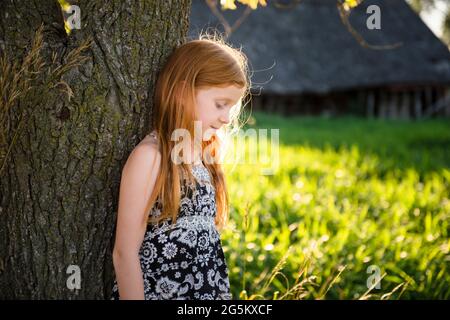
(167, 244)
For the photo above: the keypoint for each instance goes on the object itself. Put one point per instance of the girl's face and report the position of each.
(213, 105)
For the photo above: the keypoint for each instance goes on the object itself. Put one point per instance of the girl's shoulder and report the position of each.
(150, 139)
(145, 154)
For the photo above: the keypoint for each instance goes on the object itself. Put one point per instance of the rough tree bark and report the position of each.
(59, 185)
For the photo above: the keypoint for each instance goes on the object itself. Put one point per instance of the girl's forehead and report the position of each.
(230, 93)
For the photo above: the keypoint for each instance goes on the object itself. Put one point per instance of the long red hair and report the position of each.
(198, 64)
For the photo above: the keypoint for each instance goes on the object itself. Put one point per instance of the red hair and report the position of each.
(198, 64)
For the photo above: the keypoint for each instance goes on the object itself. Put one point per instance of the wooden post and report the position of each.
(256, 103)
(269, 103)
(370, 104)
(392, 105)
(447, 101)
(383, 105)
(381, 111)
(405, 102)
(285, 102)
(428, 99)
(306, 108)
(417, 104)
(296, 104)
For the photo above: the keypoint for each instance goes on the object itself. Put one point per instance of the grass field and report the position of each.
(352, 201)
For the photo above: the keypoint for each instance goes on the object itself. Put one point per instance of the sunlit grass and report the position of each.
(349, 193)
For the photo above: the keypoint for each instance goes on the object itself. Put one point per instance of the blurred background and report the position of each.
(358, 207)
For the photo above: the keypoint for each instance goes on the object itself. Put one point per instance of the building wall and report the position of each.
(404, 102)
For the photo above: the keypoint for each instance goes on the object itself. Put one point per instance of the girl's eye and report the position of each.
(219, 106)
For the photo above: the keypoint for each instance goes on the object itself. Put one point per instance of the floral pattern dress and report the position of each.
(185, 260)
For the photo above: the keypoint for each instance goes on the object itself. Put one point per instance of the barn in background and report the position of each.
(306, 61)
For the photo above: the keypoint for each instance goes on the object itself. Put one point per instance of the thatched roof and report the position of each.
(310, 50)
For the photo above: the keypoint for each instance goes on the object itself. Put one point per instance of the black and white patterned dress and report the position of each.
(185, 260)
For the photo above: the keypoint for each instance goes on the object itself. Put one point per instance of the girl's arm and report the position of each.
(138, 179)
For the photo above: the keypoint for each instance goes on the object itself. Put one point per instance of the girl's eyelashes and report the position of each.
(219, 106)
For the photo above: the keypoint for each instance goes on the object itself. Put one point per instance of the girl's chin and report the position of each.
(208, 133)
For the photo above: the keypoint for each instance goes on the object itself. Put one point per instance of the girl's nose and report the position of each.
(225, 118)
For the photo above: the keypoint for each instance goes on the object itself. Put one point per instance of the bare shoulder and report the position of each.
(138, 179)
(144, 157)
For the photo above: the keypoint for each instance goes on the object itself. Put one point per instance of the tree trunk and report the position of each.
(60, 181)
